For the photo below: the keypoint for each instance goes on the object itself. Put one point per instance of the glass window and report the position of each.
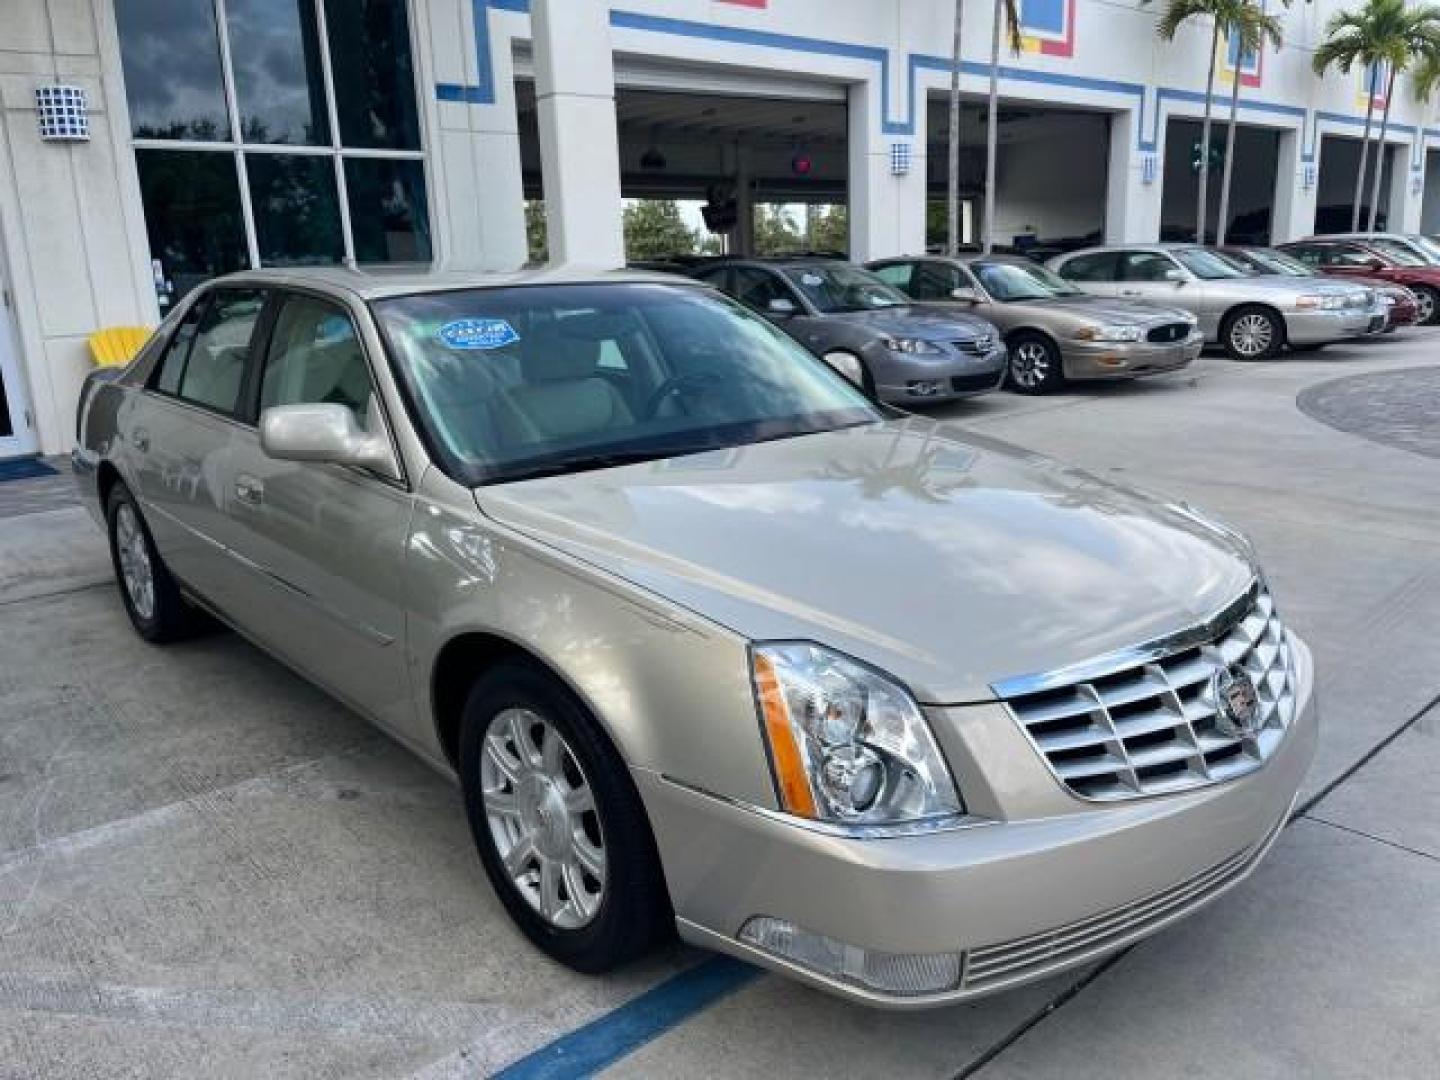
(834, 287)
(315, 357)
(1098, 266)
(215, 369)
(1343, 255)
(935, 281)
(1396, 252)
(192, 216)
(388, 213)
(1147, 266)
(373, 72)
(1208, 265)
(897, 274)
(511, 382)
(172, 364)
(758, 287)
(297, 214)
(171, 56)
(279, 80)
(1007, 281)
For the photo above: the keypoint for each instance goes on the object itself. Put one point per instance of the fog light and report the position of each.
(899, 974)
(923, 387)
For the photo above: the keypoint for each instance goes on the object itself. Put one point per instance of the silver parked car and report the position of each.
(640, 571)
(1053, 330)
(901, 352)
(1252, 318)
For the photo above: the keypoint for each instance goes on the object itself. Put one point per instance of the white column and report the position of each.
(876, 196)
(1134, 182)
(912, 190)
(1407, 189)
(579, 141)
(1296, 188)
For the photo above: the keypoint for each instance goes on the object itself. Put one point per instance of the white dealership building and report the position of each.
(146, 145)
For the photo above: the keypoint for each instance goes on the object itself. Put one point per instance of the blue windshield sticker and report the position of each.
(477, 334)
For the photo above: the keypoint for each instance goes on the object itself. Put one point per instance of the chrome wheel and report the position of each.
(1029, 364)
(1252, 335)
(1425, 305)
(542, 817)
(136, 572)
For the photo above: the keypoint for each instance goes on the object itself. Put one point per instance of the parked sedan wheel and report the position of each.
(1427, 303)
(561, 831)
(1252, 333)
(151, 595)
(1035, 364)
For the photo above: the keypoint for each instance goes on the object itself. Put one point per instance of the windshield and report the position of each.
(1209, 265)
(1425, 244)
(519, 382)
(836, 287)
(1396, 252)
(1273, 262)
(1007, 282)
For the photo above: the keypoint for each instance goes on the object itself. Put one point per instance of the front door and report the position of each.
(17, 435)
(325, 544)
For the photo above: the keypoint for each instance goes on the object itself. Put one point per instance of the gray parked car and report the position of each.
(711, 640)
(901, 352)
(1253, 318)
(1054, 331)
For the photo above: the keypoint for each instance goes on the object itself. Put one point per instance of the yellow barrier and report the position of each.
(116, 346)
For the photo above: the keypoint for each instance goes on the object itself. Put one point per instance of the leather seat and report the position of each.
(563, 395)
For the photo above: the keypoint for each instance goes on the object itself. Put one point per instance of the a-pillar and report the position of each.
(887, 211)
(579, 138)
(1296, 187)
(1135, 180)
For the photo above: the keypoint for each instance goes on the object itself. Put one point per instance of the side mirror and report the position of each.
(965, 295)
(780, 308)
(324, 433)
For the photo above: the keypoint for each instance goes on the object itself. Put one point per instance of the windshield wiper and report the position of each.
(577, 463)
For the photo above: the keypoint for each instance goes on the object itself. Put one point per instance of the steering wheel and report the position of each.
(679, 386)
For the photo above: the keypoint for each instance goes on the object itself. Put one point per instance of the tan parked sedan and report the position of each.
(1055, 332)
(641, 572)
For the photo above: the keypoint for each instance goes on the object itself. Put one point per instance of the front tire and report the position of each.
(560, 828)
(1252, 333)
(1427, 301)
(150, 593)
(1035, 364)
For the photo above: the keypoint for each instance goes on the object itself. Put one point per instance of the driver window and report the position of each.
(1343, 255)
(933, 281)
(896, 274)
(315, 357)
(1147, 266)
(756, 288)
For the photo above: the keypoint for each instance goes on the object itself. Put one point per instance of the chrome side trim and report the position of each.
(1132, 656)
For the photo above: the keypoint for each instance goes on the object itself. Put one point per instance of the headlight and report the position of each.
(909, 345)
(1327, 302)
(1108, 333)
(847, 744)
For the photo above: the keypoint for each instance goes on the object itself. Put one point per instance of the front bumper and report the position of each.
(1319, 327)
(902, 379)
(1128, 360)
(1047, 882)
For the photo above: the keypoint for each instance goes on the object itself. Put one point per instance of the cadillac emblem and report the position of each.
(1237, 703)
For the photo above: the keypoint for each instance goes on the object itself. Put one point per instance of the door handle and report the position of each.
(141, 439)
(249, 490)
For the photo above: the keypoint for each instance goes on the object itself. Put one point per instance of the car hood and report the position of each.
(950, 560)
(917, 321)
(1105, 310)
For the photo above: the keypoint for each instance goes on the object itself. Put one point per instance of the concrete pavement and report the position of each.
(209, 869)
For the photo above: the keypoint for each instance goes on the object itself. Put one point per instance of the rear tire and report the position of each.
(560, 828)
(1035, 365)
(150, 593)
(1428, 301)
(1252, 333)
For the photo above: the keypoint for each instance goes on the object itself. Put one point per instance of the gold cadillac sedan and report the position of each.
(711, 641)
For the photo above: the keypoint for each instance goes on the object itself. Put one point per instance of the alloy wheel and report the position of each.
(541, 813)
(1425, 303)
(1252, 335)
(1029, 364)
(136, 572)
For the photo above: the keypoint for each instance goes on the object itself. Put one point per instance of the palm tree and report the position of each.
(1010, 9)
(1382, 34)
(1177, 13)
(1250, 28)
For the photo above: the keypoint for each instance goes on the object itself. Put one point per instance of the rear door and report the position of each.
(324, 544)
(178, 432)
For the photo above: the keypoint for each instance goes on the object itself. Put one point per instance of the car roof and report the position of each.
(382, 282)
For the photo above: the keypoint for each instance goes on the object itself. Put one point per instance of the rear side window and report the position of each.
(172, 364)
(1099, 266)
(897, 274)
(1306, 253)
(1146, 266)
(315, 357)
(758, 287)
(935, 281)
(215, 368)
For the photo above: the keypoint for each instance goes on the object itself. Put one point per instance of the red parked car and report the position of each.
(1362, 258)
(1401, 308)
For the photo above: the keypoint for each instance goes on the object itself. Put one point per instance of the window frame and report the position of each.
(335, 150)
(1112, 255)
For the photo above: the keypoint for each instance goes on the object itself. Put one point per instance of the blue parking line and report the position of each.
(607, 1039)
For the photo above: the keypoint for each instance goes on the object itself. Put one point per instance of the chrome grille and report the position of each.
(994, 966)
(1169, 332)
(1148, 724)
(979, 346)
